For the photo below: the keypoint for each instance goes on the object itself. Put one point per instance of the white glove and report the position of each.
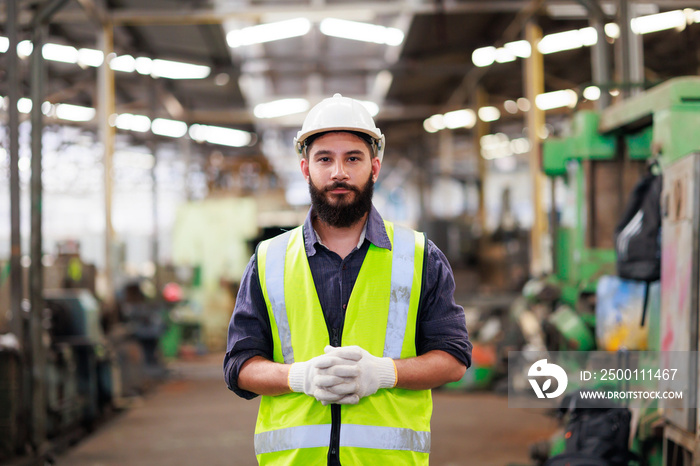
(317, 376)
(374, 373)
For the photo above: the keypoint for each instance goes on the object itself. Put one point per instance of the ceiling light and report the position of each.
(47, 108)
(219, 135)
(169, 128)
(519, 48)
(523, 104)
(488, 114)
(520, 145)
(268, 32)
(612, 30)
(90, 57)
(504, 56)
(24, 105)
(361, 31)
(434, 123)
(178, 70)
(125, 63)
(74, 112)
(222, 79)
(61, 53)
(591, 93)
(143, 65)
(4, 44)
(129, 122)
(484, 56)
(659, 22)
(568, 40)
(696, 16)
(282, 107)
(510, 106)
(556, 99)
(25, 48)
(460, 119)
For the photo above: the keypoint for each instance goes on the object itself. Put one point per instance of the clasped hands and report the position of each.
(342, 375)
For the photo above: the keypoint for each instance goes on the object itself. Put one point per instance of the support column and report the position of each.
(481, 129)
(600, 65)
(534, 85)
(106, 108)
(629, 53)
(13, 84)
(36, 286)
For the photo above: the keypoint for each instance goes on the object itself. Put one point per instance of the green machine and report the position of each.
(599, 163)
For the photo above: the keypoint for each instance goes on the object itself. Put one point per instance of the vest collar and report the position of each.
(375, 232)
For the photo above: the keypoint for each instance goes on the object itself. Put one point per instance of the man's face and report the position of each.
(341, 173)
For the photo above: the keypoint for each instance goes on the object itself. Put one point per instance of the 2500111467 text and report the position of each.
(629, 374)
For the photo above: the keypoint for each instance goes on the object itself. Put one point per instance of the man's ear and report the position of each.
(376, 167)
(304, 165)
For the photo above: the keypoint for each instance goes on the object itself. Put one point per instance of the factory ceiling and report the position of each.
(430, 71)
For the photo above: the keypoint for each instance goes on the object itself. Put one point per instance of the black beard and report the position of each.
(343, 213)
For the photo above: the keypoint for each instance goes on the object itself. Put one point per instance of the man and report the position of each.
(344, 325)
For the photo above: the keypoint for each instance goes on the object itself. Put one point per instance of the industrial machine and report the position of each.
(600, 162)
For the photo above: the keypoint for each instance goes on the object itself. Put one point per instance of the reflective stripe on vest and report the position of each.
(401, 283)
(274, 283)
(351, 435)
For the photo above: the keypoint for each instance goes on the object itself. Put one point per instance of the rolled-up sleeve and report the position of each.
(441, 322)
(249, 331)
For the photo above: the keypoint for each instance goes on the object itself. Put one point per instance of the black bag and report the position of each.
(638, 235)
(637, 240)
(595, 436)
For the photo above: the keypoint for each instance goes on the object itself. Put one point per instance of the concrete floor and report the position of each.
(193, 419)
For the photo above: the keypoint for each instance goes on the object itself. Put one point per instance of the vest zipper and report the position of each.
(334, 447)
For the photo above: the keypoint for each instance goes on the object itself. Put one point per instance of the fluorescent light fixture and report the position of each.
(556, 99)
(129, 122)
(24, 105)
(434, 123)
(658, 22)
(4, 44)
(90, 57)
(268, 32)
(696, 16)
(612, 30)
(365, 32)
(510, 106)
(25, 48)
(494, 146)
(169, 128)
(74, 112)
(568, 40)
(282, 107)
(61, 53)
(504, 56)
(523, 104)
(219, 135)
(488, 114)
(591, 93)
(47, 108)
(484, 56)
(371, 107)
(519, 48)
(520, 146)
(125, 63)
(178, 70)
(464, 118)
(144, 65)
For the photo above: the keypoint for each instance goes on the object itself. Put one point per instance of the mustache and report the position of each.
(342, 185)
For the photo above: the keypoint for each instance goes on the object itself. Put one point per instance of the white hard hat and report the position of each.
(339, 113)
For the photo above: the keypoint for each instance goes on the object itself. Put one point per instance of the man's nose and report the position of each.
(339, 172)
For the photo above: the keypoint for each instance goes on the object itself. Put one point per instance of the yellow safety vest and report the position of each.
(391, 427)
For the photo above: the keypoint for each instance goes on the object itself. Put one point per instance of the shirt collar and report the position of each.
(374, 232)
